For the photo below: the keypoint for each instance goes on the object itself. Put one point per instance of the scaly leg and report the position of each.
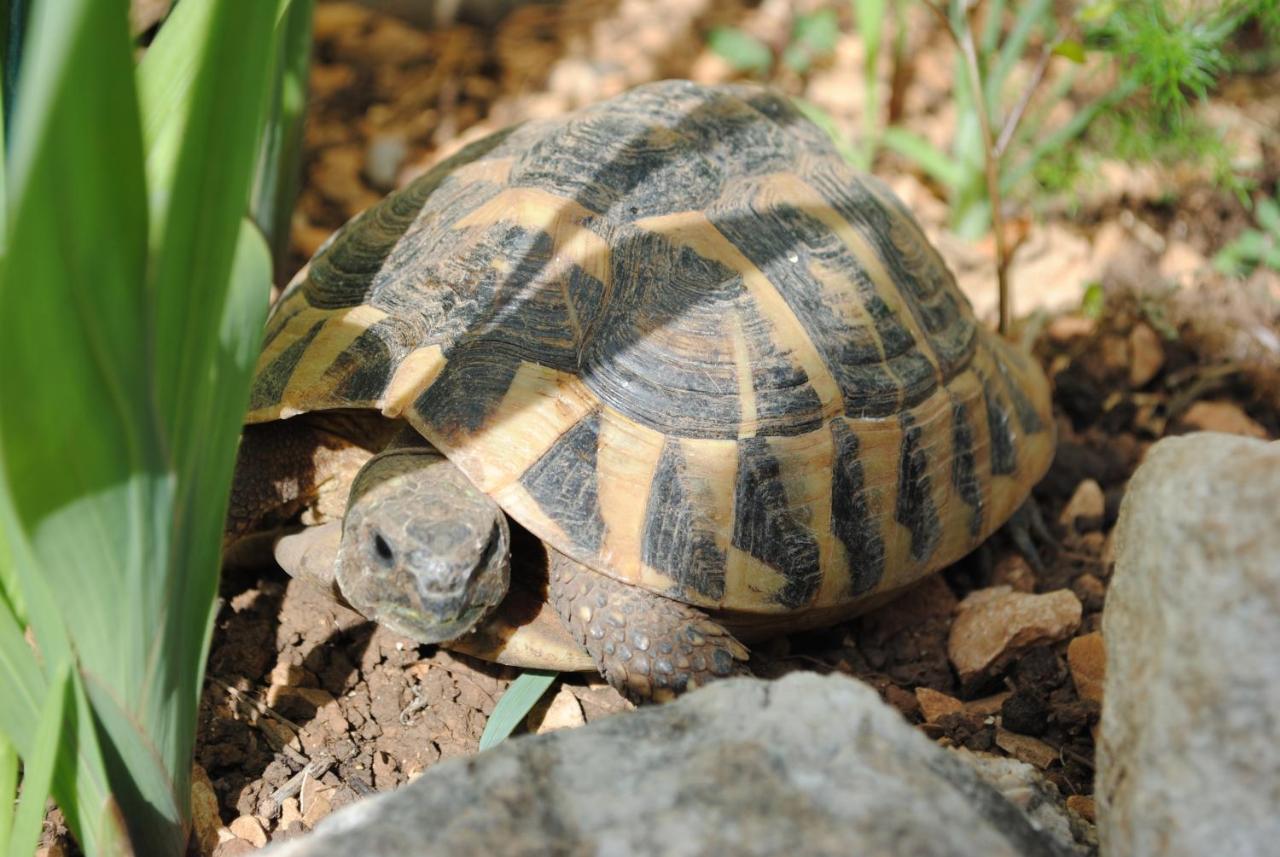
(649, 647)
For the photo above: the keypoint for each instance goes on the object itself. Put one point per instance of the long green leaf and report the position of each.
(8, 786)
(930, 159)
(202, 369)
(515, 705)
(1030, 13)
(279, 169)
(38, 766)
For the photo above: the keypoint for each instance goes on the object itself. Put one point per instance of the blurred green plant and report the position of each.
(1254, 248)
(135, 291)
(812, 39)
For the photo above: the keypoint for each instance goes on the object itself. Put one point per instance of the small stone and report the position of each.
(562, 711)
(1181, 262)
(903, 700)
(1087, 657)
(205, 819)
(1014, 571)
(1065, 328)
(290, 675)
(1146, 354)
(289, 813)
(314, 802)
(934, 704)
(383, 158)
(234, 847)
(1088, 502)
(1083, 806)
(1224, 417)
(987, 706)
(1091, 591)
(994, 625)
(1033, 751)
(250, 829)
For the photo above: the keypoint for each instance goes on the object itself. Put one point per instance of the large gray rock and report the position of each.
(805, 765)
(1189, 760)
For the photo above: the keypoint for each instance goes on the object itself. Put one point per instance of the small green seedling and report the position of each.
(1254, 248)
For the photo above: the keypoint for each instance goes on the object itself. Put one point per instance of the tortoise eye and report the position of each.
(382, 549)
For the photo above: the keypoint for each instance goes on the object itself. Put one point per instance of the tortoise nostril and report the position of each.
(382, 549)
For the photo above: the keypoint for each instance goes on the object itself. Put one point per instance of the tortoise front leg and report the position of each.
(648, 647)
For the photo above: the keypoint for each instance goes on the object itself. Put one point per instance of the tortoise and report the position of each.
(722, 377)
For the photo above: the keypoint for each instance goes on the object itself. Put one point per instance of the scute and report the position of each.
(675, 336)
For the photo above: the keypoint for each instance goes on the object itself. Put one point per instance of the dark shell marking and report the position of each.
(674, 335)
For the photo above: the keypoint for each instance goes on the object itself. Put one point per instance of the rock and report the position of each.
(1188, 763)
(994, 625)
(1146, 354)
(1014, 571)
(1224, 417)
(1087, 502)
(1181, 262)
(1026, 788)
(289, 813)
(235, 847)
(807, 764)
(562, 711)
(934, 705)
(1065, 328)
(1084, 806)
(1087, 657)
(205, 819)
(250, 829)
(1033, 751)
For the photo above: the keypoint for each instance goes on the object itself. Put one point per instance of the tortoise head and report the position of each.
(423, 551)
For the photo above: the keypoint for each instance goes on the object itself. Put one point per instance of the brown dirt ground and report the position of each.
(307, 706)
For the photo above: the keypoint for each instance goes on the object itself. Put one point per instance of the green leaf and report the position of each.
(928, 157)
(8, 787)
(1070, 49)
(742, 50)
(1030, 13)
(279, 168)
(1268, 214)
(515, 705)
(1094, 301)
(38, 766)
(868, 16)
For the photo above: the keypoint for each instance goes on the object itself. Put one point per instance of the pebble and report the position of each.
(205, 819)
(1224, 417)
(1181, 262)
(1087, 502)
(314, 802)
(1033, 751)
(234, 847)
(934, 704)
(1091, 591)
(1083, 806)
(994, 625)
(250, 829)
(289, 813)
(1014, 571)
(1065, 328)
(562, 711)
(1146, 354)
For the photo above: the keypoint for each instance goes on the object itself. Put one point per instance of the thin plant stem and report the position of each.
(963, 37)
(1015, 116)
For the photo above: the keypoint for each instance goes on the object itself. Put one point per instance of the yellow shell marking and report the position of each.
(692, 229)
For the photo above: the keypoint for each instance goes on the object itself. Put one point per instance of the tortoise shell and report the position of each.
(678, 338)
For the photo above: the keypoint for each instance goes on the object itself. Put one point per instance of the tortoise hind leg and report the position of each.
(648, 647)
